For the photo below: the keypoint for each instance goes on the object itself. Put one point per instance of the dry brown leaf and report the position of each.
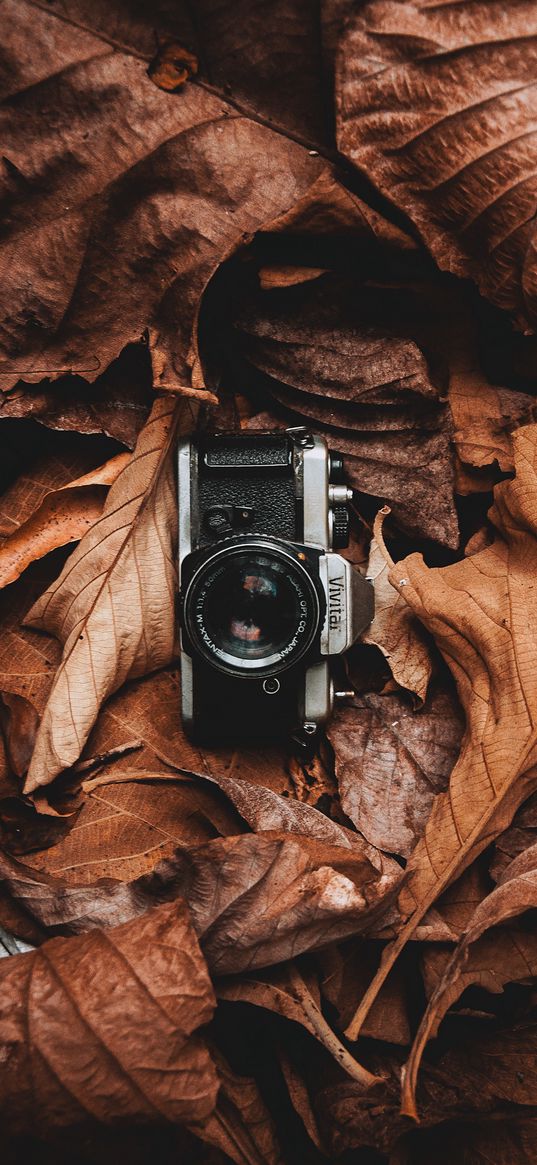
(391, 760)
(469, 1111)
(125, 828)
(489, 960)
(332, 354)
(102, 1027)
(265, 59)
(255, 899)
(263, 810)
(115, 405)
(113, 605)
(435, 105)
(33, 898)
(262, 898)
(394, 628)
(63, 516)
(112, 183)
(481, 613)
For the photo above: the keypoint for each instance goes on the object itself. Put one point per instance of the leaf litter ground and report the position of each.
(241, 954)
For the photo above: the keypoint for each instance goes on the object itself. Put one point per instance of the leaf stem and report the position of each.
(324, 1032)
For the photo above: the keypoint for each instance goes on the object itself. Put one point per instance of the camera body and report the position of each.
(266, 602)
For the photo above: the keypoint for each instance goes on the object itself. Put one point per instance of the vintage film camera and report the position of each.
(266, 602)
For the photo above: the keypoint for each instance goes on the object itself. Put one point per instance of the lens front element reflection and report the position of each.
(252, 610)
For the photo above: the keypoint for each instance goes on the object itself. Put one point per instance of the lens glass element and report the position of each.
(251, 609)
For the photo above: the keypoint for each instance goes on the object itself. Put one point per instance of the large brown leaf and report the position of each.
(119, 202)
(482, 615)
(102, 1027)
(268, 60)
(125, 828)
(391, 761)
(333, 355)
(394, 629)
(263, 810)
(113, 605)
(490, 961)
(255, 899)
(261, 898)
(435, 104)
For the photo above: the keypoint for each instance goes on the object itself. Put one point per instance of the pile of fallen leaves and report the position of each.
(244, 215)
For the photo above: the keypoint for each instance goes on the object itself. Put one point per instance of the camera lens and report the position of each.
(252, 610)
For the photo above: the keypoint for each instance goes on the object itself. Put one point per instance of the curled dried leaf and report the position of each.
(111, 182)
(113, 604)
(394, 629)
(103, 1027)
(482, 615)
(63, 516)
(391, 760)
(435, 105)
(255, 899)
(488, 960)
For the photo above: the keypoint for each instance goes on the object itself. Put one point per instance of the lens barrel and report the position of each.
(252, 608)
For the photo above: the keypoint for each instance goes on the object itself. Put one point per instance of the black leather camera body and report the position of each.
(266, 601)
